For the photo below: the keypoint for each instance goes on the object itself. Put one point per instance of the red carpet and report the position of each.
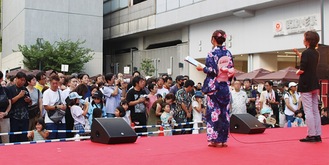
(274, 146)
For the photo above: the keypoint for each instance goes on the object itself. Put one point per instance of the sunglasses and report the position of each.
(96, 98)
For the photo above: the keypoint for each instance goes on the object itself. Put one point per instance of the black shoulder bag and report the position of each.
(56, 115)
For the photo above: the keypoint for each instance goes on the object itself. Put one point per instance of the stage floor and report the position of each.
(274, 146)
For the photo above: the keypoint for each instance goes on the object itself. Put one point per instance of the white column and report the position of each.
(266, 61)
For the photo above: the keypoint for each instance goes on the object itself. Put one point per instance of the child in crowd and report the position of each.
(265, 118)
(167, 119)
(324, 116)
(77, 112)
(198, 110)
(299, 121)
(97, 113)
(97, 102)
(124, 104)
(121, 112)
(40, 132)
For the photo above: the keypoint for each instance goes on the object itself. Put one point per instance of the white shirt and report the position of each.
(50, 97)
(197, 116)
(287, 111)
(261, 118)
(163, 91)
(239, 101)
(76, 112)
(266, 95)
(66, 92)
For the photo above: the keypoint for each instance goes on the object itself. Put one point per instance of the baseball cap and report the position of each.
(74, 95)
(198, 94)
(98, 94)
(292, 84)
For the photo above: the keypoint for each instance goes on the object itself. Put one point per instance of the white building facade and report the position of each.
(23, 21)
(261, 33)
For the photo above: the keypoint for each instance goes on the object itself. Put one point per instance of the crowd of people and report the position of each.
(41, 102)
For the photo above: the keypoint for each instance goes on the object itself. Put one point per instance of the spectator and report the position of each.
(3, 83)
(62, 86)
(71, 85)
(39, 131)
(112, 94)
(269, 98)
(5, 106)
(97, 102)
(168, 83)
(239, 99)
(198, 110)
(252, 94)
(167, 119)
(264, 115)
(199, 86)
(184, 101)
(41, 80)
(81, 89)
(299, 121)
(137, 103)
(179, 84)
(292, 102)
(93, 89)
(53, 99)
(36, 97)
(127, 117)
(161, 90)
(77, 112)
(84, 79)
(151, 98)
(324, 116)
(134, 74)
(120, 112)
(19, 118)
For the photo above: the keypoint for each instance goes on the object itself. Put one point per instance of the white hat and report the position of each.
(74, 95)
(292, 84)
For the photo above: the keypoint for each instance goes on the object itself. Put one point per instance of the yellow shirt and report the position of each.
(39, 87)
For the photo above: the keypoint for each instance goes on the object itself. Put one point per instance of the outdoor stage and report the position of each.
(274, 146)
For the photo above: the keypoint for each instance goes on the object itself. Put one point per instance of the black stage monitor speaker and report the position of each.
(245, 124)
(112, 131)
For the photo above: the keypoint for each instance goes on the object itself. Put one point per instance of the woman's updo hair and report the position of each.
(219, 36)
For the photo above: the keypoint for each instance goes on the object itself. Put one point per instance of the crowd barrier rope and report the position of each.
(88, 131)
(47, 141)
(160, 131)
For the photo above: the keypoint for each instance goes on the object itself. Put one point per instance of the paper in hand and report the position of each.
(194, 62)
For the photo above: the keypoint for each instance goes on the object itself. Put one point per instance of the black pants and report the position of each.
(18, 125)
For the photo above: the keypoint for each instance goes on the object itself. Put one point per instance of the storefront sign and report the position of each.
(296, 25)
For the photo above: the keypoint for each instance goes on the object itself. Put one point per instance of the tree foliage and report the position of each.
(45, 56)
(147, 67)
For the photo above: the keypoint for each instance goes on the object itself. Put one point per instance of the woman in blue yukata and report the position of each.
(219, 69)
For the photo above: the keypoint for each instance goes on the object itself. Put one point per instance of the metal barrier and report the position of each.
(89, 131)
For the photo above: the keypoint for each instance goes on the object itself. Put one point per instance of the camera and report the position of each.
(144, 96)
(26, 93)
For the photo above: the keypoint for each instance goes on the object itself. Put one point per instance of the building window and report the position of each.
(138, 1)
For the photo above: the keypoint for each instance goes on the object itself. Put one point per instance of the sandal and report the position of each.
(224, 145)
(212, 144)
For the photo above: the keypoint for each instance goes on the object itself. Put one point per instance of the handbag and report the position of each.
(34, 110)
(56, 115)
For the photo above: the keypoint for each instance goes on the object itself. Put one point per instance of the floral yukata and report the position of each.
(218, 94)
